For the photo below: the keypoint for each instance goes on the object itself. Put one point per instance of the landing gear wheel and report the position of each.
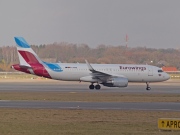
(148, 88)
(97, 87)
(91, 86)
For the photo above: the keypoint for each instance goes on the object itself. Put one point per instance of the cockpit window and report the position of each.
(160, 71)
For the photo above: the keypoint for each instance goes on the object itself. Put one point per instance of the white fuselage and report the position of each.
(134, 73)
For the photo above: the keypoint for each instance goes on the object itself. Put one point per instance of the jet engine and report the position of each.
(117, 82)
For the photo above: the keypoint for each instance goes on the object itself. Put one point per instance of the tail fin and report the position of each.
(29, 61)
(26, 55)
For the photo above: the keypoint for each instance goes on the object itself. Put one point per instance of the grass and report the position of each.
(89, 97)
(81, 122)
(16, 75)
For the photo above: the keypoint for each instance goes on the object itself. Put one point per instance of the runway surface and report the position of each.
(91, 105)
(35, 86)
(56, 86)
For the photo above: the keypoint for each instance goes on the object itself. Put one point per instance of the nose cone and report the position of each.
(166, 76)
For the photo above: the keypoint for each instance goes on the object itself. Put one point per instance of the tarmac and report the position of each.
(155, 106)
(169, 87)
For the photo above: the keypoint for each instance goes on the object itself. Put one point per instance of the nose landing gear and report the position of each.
(148, 88)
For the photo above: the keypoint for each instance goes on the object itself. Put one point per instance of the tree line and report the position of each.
(67, 52)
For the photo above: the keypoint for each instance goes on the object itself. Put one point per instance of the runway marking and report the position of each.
(5, 100)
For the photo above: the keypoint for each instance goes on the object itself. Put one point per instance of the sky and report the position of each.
(148, 23)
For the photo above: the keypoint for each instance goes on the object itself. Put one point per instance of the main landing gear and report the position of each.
(148, 88)
(97, 87)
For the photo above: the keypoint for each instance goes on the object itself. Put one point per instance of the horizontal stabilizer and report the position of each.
(24, 66)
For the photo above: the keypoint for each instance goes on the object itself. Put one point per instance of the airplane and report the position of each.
(109, 75)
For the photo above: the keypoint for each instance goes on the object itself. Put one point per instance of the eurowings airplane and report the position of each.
(110, 75)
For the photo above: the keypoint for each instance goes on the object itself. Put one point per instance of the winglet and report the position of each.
(89, 66)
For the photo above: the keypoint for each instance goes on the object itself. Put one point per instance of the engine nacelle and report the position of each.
(117, 82)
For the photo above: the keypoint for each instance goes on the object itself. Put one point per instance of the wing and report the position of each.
(100, 75)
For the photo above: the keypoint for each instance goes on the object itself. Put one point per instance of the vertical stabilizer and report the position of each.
(26, 55)
(29, 61)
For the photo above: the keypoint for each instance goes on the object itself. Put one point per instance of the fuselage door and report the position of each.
(150, 71)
